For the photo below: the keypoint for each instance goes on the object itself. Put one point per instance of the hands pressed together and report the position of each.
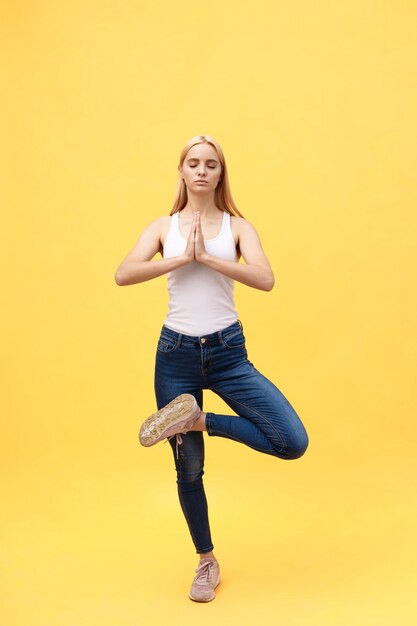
(195, 243)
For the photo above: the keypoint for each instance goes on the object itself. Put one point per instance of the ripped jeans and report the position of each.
(263, 418)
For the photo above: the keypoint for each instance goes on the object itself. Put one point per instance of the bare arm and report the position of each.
(137, 266)
(256, 272)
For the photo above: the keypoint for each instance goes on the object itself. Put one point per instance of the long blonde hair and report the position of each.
(222, 194)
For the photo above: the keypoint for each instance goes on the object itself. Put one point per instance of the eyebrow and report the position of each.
(194, 159)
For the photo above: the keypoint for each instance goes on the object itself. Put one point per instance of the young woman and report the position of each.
(201, 343)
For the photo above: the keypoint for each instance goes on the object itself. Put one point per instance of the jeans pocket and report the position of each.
(167, 343)
(234, 339)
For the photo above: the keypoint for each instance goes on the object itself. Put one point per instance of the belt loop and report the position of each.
(240, 324)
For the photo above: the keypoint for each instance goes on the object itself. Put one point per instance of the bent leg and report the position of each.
(264, 420)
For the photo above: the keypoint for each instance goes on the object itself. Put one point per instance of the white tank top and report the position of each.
(201, 300)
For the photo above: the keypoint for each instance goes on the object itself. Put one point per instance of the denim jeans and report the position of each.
(263, 418)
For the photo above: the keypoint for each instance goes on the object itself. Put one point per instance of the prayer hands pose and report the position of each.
(195, 243)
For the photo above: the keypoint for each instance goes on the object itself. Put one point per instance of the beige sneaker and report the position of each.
(178, 416)
(205, 581)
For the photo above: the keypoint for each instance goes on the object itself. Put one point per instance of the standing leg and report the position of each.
(175, 375)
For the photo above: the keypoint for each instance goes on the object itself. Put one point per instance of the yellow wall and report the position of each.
(314, 105)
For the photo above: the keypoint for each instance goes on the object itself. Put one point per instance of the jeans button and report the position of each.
(203, 340)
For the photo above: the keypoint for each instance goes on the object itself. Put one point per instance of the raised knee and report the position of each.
(297, 447)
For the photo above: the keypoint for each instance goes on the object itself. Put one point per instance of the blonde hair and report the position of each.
(222, 194)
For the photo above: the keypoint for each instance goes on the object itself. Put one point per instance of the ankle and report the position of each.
(200, 423)
(207, 556)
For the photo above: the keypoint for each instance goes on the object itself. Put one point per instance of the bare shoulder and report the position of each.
(239, 226)
(161, 220)
(155, 232)
(240, 222)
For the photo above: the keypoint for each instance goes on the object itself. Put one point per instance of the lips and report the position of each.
(201, 181)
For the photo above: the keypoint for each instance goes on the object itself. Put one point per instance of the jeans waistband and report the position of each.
(211, 338)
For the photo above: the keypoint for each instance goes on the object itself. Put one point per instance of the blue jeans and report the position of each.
(264, 419)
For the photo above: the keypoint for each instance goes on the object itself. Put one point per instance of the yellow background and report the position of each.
(314, 105)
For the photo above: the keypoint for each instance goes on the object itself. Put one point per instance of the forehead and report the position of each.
(202, 151)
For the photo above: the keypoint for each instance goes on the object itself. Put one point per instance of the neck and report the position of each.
(205, 205)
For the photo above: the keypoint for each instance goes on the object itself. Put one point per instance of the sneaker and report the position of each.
(178, 416)
(205, 581)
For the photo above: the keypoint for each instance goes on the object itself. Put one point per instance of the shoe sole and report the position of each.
(208, 599)
(178, 410)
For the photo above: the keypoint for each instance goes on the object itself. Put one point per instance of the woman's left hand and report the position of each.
(199, 249)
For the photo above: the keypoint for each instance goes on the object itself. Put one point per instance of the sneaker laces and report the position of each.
(204, 571)
(178, 442)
